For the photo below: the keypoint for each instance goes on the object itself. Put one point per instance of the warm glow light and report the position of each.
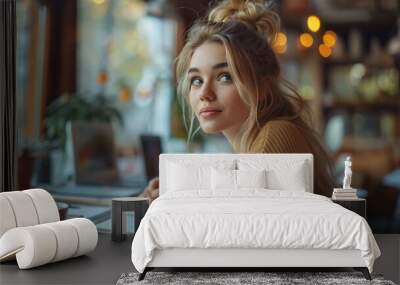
(324, 50)
(280, 49)
(329, 38)
(98, 2)
(306, 40)
(280, 43)
(313, 23)
(124, 94)
(281, 39)
(102, 78)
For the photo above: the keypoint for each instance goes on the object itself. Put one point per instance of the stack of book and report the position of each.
(344, 194)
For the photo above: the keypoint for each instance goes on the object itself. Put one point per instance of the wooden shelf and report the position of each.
(371, 21)
(342, 61)
(357, 106)
(349, 61)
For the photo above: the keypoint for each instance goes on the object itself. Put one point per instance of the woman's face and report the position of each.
(213, 95)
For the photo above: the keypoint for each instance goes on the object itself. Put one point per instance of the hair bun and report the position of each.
(253, 13)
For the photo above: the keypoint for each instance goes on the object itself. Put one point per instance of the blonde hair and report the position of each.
(247, 29)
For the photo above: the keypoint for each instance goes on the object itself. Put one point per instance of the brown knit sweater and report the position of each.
(285, 137)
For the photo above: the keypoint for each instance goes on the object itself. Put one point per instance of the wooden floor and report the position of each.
(103, 266)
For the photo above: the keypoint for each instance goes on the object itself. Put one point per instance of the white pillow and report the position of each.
(223, 179)
(236, 179)
(251, 178)
(281, 174)
(192, 175)
(292, 179)
(182, 178)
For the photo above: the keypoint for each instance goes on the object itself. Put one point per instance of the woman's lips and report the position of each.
(209, 114)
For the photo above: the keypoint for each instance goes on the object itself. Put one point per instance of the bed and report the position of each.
(246, 211)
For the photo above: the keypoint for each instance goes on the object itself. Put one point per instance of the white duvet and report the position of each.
(252, 218)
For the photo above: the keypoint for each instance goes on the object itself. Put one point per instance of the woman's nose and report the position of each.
(207, 94)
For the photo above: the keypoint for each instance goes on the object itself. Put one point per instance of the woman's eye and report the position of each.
(195, 81)
(225, 77)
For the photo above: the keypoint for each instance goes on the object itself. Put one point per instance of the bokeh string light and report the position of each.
(313, 23)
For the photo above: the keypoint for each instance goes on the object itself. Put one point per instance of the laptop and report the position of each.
(95, 157)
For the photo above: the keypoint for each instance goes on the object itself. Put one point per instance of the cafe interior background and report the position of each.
(97, 102)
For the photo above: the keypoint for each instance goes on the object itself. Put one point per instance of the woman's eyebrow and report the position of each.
(215, 66)
(220, 65)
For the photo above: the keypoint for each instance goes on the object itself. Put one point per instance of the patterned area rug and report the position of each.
(229, 278)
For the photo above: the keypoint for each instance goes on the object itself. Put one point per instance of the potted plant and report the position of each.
(69, 108)
(60, 113)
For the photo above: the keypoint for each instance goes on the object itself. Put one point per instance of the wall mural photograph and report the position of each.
(173, 114)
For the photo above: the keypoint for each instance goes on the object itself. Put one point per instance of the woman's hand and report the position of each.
(152, 189)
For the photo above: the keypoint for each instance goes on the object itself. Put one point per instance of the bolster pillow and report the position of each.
(40, 244)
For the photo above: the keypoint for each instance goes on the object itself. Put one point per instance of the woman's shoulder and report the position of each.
(279, 129)
(280, 125)
(280, 136)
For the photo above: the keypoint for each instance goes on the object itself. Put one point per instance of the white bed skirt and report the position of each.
(193, 257)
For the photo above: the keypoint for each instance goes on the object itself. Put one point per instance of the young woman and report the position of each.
(230, 77)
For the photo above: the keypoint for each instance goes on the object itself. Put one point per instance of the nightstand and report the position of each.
(358, 206)
(120, 208)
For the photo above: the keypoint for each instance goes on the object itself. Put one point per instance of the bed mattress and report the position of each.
(250, 219)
